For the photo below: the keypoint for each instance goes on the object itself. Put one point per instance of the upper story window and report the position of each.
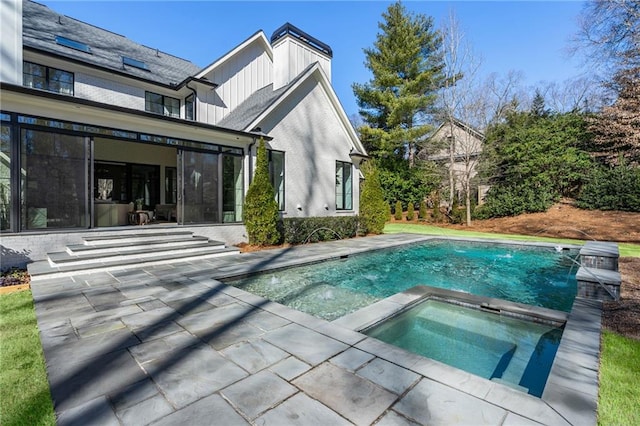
(276, 174)
(189, 107)
(134, 63)
(63, 41)
(344, 186)
(161, 104)
(47, 78)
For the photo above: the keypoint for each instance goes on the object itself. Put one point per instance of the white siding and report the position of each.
(11, 37)
(109, 92)
(308, 129)
(237, 79)
(291, 57)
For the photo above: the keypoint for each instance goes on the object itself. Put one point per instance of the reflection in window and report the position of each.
(170, 185)
(344, 186)
(47, 78)
(5, 178)
(160, 104)
(55, 180)
(276, 174)
(232, 189)
(189, 107)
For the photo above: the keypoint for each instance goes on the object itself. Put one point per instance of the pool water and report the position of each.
(515, 352)
(533, 275)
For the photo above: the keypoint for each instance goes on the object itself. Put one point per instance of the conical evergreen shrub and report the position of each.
(260, 212)
(374, 210)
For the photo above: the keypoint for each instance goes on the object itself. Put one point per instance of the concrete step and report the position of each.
(128, 250)
(138, 251)
(149, 244)
(134, 237)
(44, 269)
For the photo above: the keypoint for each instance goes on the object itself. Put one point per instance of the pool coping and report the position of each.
(571, 392)
(572, 386)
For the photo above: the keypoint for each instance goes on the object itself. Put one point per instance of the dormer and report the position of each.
(293, 51)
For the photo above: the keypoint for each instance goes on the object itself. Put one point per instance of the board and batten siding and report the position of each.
(310, 132)
(237, 78)
(291, 57)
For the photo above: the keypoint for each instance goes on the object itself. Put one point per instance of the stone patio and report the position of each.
(171, 344)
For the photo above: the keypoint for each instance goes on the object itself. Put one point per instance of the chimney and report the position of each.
(293, 51)
(11, 46)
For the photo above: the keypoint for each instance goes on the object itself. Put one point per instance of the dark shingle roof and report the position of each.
(245, 113)
(41, 25)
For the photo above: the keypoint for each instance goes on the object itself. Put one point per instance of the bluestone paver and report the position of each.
(358, 399)
(246, 397)
(172, 344)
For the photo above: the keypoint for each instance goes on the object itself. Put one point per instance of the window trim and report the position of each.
(347, 196)
(279, 200)
(164, 104)
(48, 71)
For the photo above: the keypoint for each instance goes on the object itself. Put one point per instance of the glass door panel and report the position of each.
(55, 180)
(199, 180)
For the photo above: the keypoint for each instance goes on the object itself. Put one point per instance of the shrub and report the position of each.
(410, 211)
(612, 188)
(300, 230)
(436, 214)
(514, 200)
(398, 212)
(260, 212)
(374, 210)
(422, 212)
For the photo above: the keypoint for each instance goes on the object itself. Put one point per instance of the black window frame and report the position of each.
(49, 79)
(346, 201)
(190, 107)
(162, 105)
(279, 195)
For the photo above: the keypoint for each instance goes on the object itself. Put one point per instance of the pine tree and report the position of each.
(260, 212)
(616, 129)
(374, 210)
(407, 68)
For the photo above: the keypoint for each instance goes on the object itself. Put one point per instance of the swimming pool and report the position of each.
(499, 347)
(534, 275)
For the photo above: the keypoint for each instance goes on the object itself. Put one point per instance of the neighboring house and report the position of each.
(467, 143)
(93, 122)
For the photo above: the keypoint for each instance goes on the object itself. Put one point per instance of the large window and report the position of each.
(47, 78)
(160, 104)
(5, 178)
(170, 185)
(232, 188)
(276, 174)
(344, 186)
(55, 180)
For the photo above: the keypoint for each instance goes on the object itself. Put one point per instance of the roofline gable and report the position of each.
(313, 71)
(258, 37)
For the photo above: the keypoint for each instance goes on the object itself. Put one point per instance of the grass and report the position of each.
(619, 381)
(24, 390)
(626, 249)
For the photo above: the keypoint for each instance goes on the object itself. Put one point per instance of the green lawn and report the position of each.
(24, 390)
(626, 249)
(619, 402)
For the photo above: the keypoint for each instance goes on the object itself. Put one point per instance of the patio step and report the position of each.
(119, 251)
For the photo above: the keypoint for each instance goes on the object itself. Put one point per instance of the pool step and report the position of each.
(118, 251)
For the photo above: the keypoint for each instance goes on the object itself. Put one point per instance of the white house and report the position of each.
(93, 122)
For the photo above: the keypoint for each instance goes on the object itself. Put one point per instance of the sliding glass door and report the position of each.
(199, 182)
(55, 180)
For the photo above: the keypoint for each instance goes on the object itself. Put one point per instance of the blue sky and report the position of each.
(527, 36)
